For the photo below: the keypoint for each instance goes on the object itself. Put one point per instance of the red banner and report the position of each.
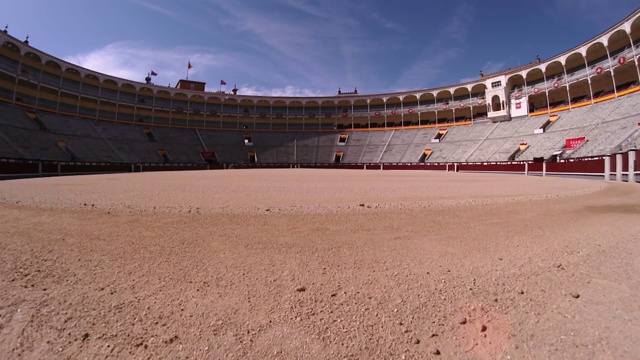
(573, 143)
(208, 154)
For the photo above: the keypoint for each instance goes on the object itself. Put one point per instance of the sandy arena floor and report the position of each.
(298, 264)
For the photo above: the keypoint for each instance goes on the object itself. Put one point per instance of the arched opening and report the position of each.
(393, 115)
(600, 71)
(625, 74)
(89, 97)
(278, 115)
(496, 104)
(556, 85)
(360, 114)
(444, 104)
(427, 110)
(377, 113)
(162, 108)
(328, 111)
(409, 113)
(478, 101)
(69, 90)
(577, 78)
(295, 114)
(312, 115)
(462, 105)
(196, 111)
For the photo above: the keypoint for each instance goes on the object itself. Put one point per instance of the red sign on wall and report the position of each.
(208, 155)
(573, 143)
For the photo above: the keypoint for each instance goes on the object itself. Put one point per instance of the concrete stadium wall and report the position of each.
(620, 167)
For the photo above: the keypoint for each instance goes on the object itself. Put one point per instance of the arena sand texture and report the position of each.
(301, 263)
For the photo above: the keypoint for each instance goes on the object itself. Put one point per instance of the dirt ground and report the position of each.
(301, 263)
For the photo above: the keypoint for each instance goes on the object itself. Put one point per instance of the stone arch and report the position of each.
(312, 115)
(556, 84)
(577, 78)
(625, 73)
(496, 104)
(360, 113)
(598, 66)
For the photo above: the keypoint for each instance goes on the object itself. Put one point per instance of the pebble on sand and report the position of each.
(575, 295)
(301, 288)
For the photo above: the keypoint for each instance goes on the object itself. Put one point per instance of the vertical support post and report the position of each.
(40, 169)
(59, 167)
(607, 167)
(526, 168)
(631, 168)
(619, 167)
(544, 169)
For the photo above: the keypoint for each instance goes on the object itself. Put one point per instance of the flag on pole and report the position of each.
(153, 73)
(222, 82)
(189, 66)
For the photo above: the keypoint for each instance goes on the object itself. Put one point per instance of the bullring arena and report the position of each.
(439, 223)
(298, 263)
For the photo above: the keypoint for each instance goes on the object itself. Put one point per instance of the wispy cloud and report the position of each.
(287, 91)
(133, 60)
(438, 55)
(386, 23)
(493, 66)
(600, 13)
(314, 43)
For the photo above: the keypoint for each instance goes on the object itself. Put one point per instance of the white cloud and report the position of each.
(492, 66)
(133, 61)
(438, 56)
(287, 91)
(386, 23)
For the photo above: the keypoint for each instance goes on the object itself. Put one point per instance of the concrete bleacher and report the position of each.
(67, 125)
(228, 145)
(7, 149)
(607, 126)
(182, 145)
(307, 148)
(460, 141)
(34, 144)
(356, 144)
(604, 138)
(398, 145)
(375, 145)
(421, 142)
(327, 147)
(16, 117)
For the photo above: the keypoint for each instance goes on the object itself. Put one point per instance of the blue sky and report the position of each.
(308, 48)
